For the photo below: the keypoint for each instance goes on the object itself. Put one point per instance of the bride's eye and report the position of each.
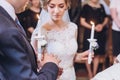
(61, 6)
(51, 6)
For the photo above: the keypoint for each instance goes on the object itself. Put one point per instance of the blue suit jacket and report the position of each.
(17, 57)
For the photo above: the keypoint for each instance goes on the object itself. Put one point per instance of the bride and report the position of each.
(60, 35)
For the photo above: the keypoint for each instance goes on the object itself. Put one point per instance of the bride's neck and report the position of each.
(58, 23)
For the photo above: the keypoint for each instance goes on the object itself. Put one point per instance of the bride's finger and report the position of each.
(84, 59)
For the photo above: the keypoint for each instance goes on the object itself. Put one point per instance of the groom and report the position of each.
(17, 58)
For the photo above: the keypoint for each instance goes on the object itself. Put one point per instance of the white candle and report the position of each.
(39, 44)
(92, 30)
(39, 36)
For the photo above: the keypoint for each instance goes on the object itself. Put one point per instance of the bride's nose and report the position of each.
(56, 10)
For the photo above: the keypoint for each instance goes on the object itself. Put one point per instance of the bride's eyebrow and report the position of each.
(57, 4)
(61, 3)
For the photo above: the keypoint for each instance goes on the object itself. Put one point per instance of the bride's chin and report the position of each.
(56, 19)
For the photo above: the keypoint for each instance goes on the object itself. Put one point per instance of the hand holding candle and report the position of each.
(93, 44)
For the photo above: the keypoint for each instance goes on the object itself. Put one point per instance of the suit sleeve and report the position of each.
(48, 72)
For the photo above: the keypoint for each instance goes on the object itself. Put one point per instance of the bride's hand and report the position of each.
(83, 56)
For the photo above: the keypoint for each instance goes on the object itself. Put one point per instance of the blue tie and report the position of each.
(20, 26)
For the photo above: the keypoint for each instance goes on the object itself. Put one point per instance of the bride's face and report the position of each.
(56, 9)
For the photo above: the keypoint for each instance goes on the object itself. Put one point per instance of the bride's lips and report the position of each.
(57, 15)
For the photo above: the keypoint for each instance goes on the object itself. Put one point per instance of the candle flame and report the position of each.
(91, 22)
(38, 16)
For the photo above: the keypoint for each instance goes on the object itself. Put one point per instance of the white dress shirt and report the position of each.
(9, 8)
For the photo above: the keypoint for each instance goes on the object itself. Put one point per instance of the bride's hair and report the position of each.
(45, 2)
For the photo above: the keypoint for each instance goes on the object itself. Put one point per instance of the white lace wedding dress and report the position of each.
(63, 44)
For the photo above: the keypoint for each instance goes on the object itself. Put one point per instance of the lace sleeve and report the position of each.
(43, 31)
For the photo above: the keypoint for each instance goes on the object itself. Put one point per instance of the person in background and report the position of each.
(115, 14)
(74, 11)
(30, 17)
(107, 10)
(94, 11)
(113, 72)
(17, 57)
(61, 38)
